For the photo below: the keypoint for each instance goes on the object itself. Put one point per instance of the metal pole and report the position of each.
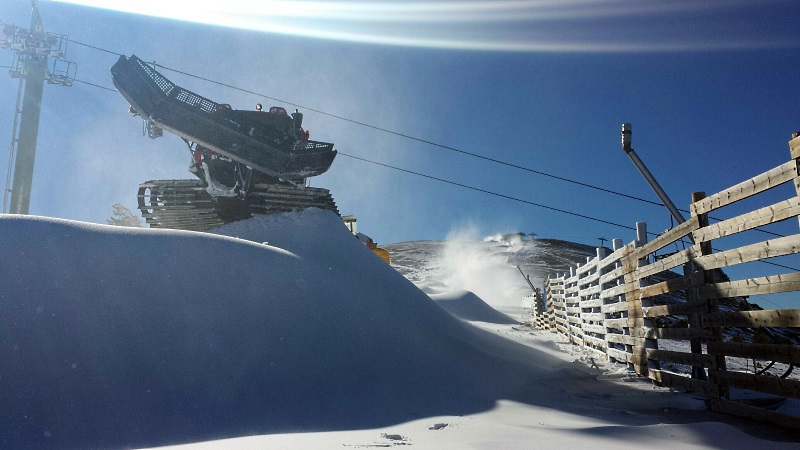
(13, 148)
(35, 72)
(526, 279)
(626, 145)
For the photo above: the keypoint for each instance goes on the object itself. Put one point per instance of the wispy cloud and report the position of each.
(516, 25)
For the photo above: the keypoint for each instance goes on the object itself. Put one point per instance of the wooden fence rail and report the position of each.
(622, 305)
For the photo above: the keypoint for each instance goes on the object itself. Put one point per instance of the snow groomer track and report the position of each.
(186, 204)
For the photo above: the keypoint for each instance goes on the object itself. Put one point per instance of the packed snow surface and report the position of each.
(285, 331)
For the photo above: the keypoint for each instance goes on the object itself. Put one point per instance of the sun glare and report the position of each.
(512, 25)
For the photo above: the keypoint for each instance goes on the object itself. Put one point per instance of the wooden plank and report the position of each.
(586, 267)
(618, 354)
(616, 324)
(782, 246)
(774, 213)
(590, 290)
(593, 303)
(632, 290)
(667, 238)
(670, 262)
(678, 334)
(672, 285)
(622, 289)
(629, 264)
(593, 317)
(752, 412)
(692, 359)
(635, 322)
(760, 183)
(669, 379)
(635, 312)
(612, 308)
(765, 318)
(589, 278)
(611, 276)
(608, 267)
(674, 309)
(794, 147)
(611, 258)
(620, 339)
(594, 340)
(752, 286)
(574, 319)
(761, 383)
(591, 328)
(769, 352)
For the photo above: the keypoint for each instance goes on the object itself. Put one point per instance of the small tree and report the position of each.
(123, 217)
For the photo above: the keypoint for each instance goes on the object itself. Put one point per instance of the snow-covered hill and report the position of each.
(486, 267)
(288, 333)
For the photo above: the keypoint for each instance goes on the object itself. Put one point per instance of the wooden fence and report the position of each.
(624, 304)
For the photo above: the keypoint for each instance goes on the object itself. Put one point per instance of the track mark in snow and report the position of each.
(398, 439)
(395, 438)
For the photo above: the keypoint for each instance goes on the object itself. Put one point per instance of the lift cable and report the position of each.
(95, 85)
(414, 138)
(446, 147)
(93, 47)
(485, 191)
(508, 197)
(407, 136)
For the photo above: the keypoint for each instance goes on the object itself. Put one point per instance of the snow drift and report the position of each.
(127, 337)
(468, 306)
(120, 337)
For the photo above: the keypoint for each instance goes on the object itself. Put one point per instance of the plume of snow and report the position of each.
(469, 263)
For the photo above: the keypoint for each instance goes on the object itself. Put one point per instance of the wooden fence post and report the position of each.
(694, 318)
(637, 346)
(645, 342)
(570, 291)
(711, 307)
(550, 308)
(794, 150)
(591, 316)
(613, 306)
(555, 303)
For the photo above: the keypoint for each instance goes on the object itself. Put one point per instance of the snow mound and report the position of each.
(117, 337)
(467, 306)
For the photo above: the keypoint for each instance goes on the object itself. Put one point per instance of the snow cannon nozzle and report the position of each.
(626, 137)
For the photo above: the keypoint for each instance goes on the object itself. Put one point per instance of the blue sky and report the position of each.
(711, 90)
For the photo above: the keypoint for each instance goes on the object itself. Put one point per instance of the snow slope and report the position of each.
(295, 335)
(489, 268)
